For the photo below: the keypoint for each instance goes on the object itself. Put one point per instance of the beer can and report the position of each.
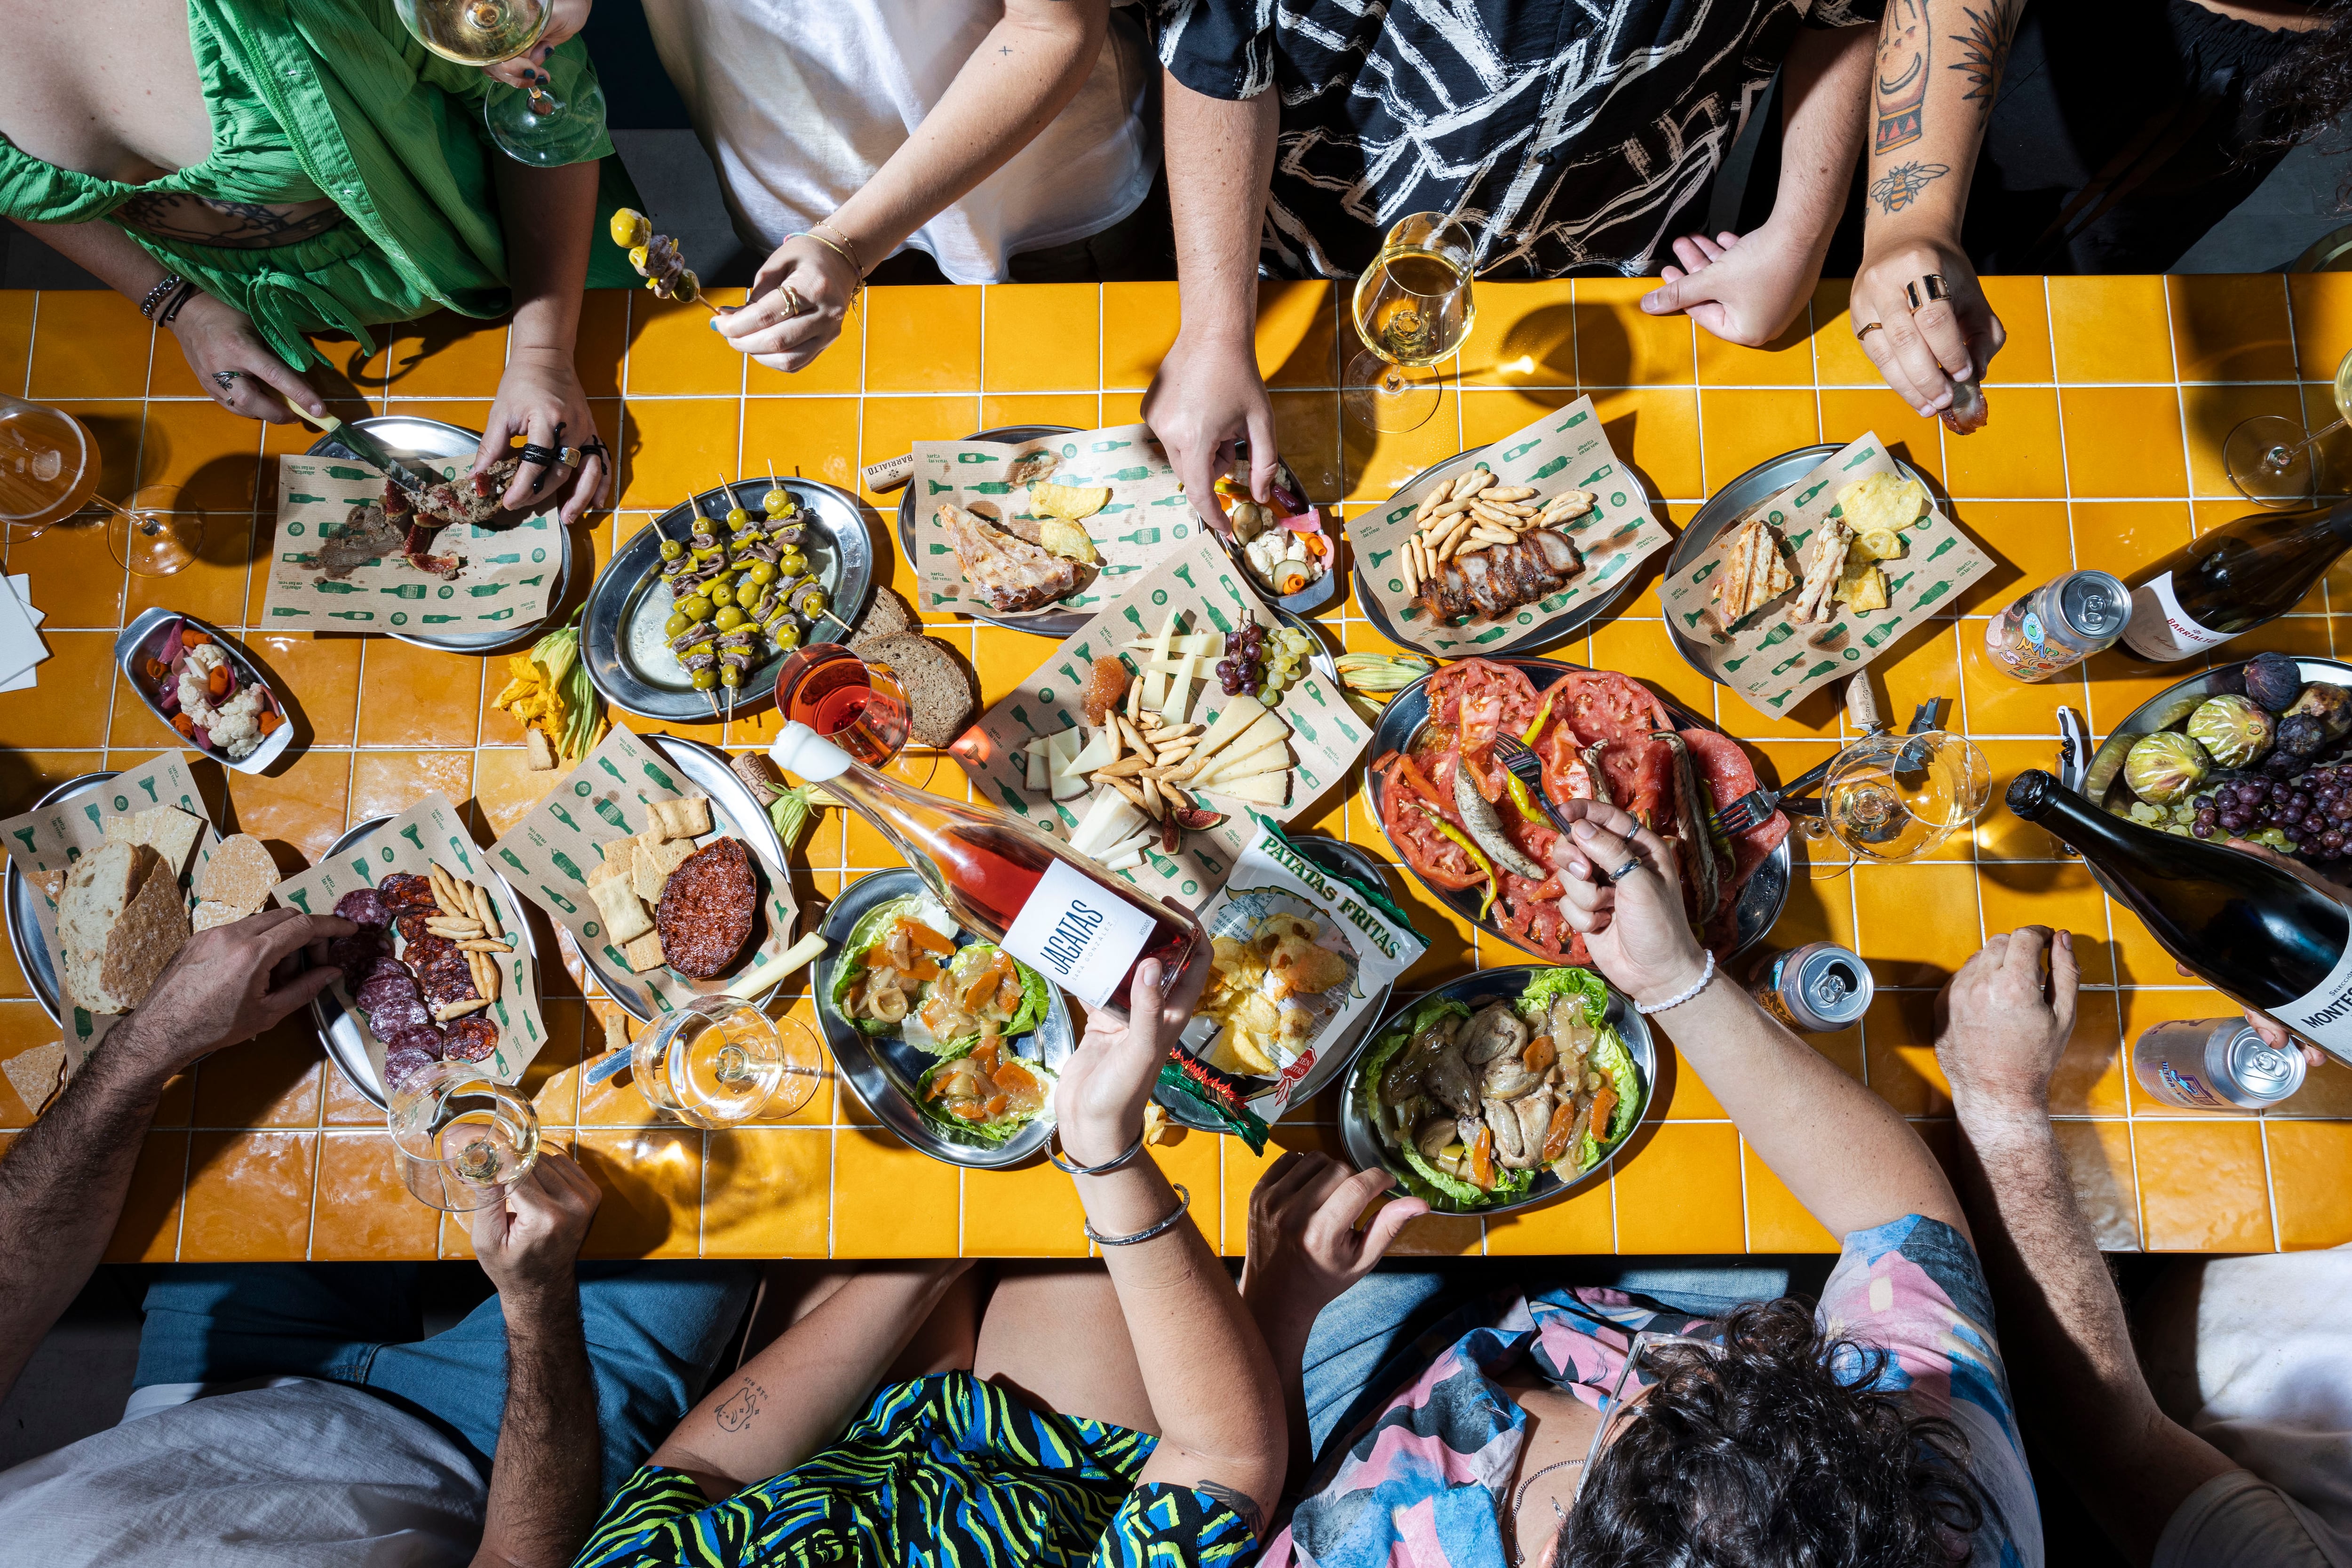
(2059, 624)
(2214, 1064)
(1816, 989)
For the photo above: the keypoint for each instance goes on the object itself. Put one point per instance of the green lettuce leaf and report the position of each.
(1035, 999)
(1609, 1055)
(991, 1134)
(1552, 984)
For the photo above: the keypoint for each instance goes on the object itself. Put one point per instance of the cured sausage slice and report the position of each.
(401, 892)
(364, 906)
(404, 1062)
(471, 1039)
(706, 907)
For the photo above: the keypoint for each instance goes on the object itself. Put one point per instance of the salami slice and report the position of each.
(382, 988)
(472, 1038)
(357, 953)
(446, 981)
(401, 891)
(404, 1063)
(398, 1014)
(427, 949)
(425, 1037)
(364, 906)
(411, 927)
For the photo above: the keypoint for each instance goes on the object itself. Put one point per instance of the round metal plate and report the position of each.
(1534, 637)
(1400, 723)
(1349, 861)
(884, 1070)
(1362, 1139)
(433, 440)
(338, 1032)
(1732, 504)
(621, 632)
(25, 926)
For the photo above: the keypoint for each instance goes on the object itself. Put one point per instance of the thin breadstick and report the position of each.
(1453, 535)
(451, 926)
(1134, 793)
(1176, 731)
(490, 973)
(486, 909)
(1492, 536)
(1511, 492)
(474, 967)
(1131, 735)
(1152, 801)
(1495, 519)
(1434, 500)
(451, 1014)
(1479, 479)
(444, 890)
(482, 945)
(1451, 509)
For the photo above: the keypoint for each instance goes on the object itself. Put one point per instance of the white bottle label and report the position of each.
(2161, 630)
(2325, 1016)
(1076, 935)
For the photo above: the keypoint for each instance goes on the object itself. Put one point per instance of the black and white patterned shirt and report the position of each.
(1572, 136)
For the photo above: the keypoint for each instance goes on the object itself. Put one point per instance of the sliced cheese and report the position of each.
(1240, 711)
(1208, 644)
(1264, 728)
(1135, 843)
(1069, 786)
(1108, 818)
(1060, 748)
(1233, 762)
(1158, 694)
(1125, 862)
(1260, 789)
(1099, 751)
(1039, 767)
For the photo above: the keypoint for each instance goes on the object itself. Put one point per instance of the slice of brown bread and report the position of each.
(942, 692)
(99, 888)
(887, 616)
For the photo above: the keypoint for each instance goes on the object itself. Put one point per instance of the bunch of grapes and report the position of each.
(2312, 811)
(1243, 668)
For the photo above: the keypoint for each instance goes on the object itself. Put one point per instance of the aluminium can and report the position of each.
(1816, 989)
(2214, 1064)
(2059, 624)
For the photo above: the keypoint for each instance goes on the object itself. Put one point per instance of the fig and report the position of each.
(2165, 766)
(2233, 731)
(2299, 735)
(2331, 705)
(1195, 818)
(2274, 681)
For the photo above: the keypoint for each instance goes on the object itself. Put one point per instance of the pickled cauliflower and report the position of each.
(233, 721)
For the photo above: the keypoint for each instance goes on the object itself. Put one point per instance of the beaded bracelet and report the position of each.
(1184, 1202)
(158, 294)
(1706, 975)
(1124, 1157)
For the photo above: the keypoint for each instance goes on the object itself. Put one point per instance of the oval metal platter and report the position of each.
(1575, 622)
(131, 649)
(884, 1070)
(339, 1031)
(1362, 1139)
(1349, 861)
(23, 926)
(1732, 504)
(731, 799)
(432, 441)
(621, 632)
(1760, 900)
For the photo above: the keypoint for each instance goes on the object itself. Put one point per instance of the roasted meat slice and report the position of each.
(1501, 578)
(1008, 574)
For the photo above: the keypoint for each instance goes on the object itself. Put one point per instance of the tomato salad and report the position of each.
(1462, 822)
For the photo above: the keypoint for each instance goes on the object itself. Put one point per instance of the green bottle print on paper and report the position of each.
(563, 864)
(990, 487)
(335, 472)
(1947, 544)
(975, 456)
(614, 954)
(351, 614)
(435, 620)
(514, 559)
(324, 587)
(1141, 536)
(505, 614)
(606, 764)
(661, 778)
(1827, 667)
(609, 811)
(1548, 469)
(299, 498)
(405, 590)
(1877, 634)
(1931, 595)
(485, 590)
(1522, 449)
(937, 488)
(1011, 799)
(562, 815)
(509, 857)
(1111, 445)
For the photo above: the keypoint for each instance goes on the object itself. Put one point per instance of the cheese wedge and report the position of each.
(1264, 726)
(1259, 789)
(1233, 761)
(1099, 751)
(1207, 645)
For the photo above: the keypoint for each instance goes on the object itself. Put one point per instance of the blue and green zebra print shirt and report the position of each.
(946, 1472)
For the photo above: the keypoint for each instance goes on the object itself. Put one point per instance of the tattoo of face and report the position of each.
(1984, 50)
(1251, 1515)
(1901, 186)
(1902, 75)
(736, 1411)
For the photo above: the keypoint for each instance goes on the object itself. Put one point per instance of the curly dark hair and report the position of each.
(1780, 1452)
(2305, 96)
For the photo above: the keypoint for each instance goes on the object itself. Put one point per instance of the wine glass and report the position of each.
(1412, 307)
(857, 703)
(2273, 461)
(1891, 798)
(155, 537)
(718, 1060)
(459, 1138)
(530, 127)
(49, 468)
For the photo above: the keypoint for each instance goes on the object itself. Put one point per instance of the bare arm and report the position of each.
(2063, 1333)
(549, 216)
(1024, 72)
(63, 1180)
(1845, 1154)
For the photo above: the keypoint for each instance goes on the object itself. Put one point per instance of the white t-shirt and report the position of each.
(799, 102)
(302, 1473)
(2274, 1393)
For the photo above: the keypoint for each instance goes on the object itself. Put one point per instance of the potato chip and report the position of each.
(1239, 1051)
(1882, 503)
(1070, 503)
(1067, 540)
(1863, 587)
(1880, 544)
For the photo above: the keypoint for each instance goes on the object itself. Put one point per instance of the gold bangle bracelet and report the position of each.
(860, 279)
(846, 250)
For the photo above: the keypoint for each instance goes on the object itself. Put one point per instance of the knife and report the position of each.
(415, 480)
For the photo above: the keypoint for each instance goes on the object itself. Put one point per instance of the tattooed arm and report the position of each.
(1939, 72)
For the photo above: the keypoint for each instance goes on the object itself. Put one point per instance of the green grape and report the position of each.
(727, 618)
(696, 609)
(719, 593)
(763, 573)
(786, 636)
(671, 549)
(675, 625)
(704, 680)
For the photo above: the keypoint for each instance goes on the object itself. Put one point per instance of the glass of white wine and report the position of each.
(459, 1138)
(1413, 308)
(719, 1061)
(49, 469)
(530, 127)
(2273, 461)
(1890, 798)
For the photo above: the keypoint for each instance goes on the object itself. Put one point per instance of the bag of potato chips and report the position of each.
(1300, 954)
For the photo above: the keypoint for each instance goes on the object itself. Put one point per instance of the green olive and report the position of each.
(731, 677)
(791, 562)
(704, 680)
(727, 618)
(702, 525)
(737, 517)
(675, 625)
(696, 609)
(779, 500)
(786, 636)
(671, 549)
(763, 573)
(719, 593)
(812, 603)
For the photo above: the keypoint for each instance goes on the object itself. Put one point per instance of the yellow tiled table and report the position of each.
(2108, 410)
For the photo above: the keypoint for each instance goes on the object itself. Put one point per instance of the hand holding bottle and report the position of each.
(1106, 1082)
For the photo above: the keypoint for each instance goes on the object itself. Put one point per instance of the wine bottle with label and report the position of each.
(2253, 930)
(1016, 884)
(2231, 579)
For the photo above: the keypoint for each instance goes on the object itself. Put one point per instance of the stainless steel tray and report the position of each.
(885, 1071)
(131, 646)
(339, 1032)
(621, 634)
(1363, 1143)
(1760, 900)
(25, 927)
(432, 440)
(1734, 501)
(1570, 626)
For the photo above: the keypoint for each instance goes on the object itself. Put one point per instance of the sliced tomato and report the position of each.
(1602, 705)
(1428, 851)
(1726, 771)
(1477, 698)
(1643, 774)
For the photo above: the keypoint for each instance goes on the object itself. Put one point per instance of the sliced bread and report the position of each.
(888, 616)
(942, 693)
(97, 890)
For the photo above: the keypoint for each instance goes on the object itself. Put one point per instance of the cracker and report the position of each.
(210, 914)
(240, 874)
(681, 818)
(625, 916)
(643, 954)
(36, 1075)
(146, 939)
(656, 862)
(620, 855)
(542, 754)
(171, 833)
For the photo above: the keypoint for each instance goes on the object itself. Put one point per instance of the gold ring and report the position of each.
(793, 304)
(1866, 332)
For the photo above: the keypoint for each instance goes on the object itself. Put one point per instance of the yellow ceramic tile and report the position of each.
(891, 427)
(363, 1212)
(271, 1081)
(1072, 410)
(1033, 1212)
(1525, 335)
(447, 356)
(1299, 343)
(1656, 431)
(249, 1197)
(68, 708)
(2210, 414)
(1193, 1161)
(2024, 313)
(1918, 922)
(602, 345)
(90, 343)
(506, 789)
(1786, 361)
(2029, 541)
(1379, 463)
(1678, 1191)
(1438, 1236)
(1122, 409)
(1618, 345)
(1741, 429)
(1489, 414)
(1584, 1222)
(1777, 1221)
(16, 336)
(25, 776)
(1838, 358)
(840, 366)
(199, 456)
(412, 696)
(652, 1178)
(2099, 1160)
(766, 1192)
(2202, 1186)
(1040, 337)
(2308, 1160)
(889, 1201)
(1309, 425)
(674, 353)
(1899, 1055)
(297, 809)
(212, 586)
(813, 436)
(148, 1229)
(2321, 302)
(2122, 440)
(1999, 703)
(1139, 327)
(2060, 894)
(2228, 327)
(1849, 413)
(923, 339)
(2109, 329)
(677, 447)
(118, 428)
(1680, 1094)
(385, 784)
(1642, 647)
(2020, 454)
(77, 582)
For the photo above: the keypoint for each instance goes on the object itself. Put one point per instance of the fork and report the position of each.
(1527, 768)
(1750, 810)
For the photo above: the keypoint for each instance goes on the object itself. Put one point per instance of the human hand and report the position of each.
(1206, 396)
(218, 340)
(1304, 1247)
(224, 985)
(1922, 353)
(1099, 1104)
(769, 328)
(529, 68)
(528, 1243)
(541, 399)
(1634, 927)
(2000, 1034)
(1743, 288)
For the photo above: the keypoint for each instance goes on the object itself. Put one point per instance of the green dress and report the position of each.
(334, 99)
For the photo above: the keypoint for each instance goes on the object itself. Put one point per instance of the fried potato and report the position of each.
(1241, 1051)
(1067, 540)
(1882, 503)
(1864, 586)
(1072, 502)
(1880, 544)
(1297, 967)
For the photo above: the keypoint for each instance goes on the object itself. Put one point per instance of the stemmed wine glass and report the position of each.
(1890, 798)
(1412, 307)
(459, 1138)
(532, 126)
(2273, 461)
(49, 467)
(718, 1060)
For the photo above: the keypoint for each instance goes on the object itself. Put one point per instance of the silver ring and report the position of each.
(1632, 864)
(227, 379)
